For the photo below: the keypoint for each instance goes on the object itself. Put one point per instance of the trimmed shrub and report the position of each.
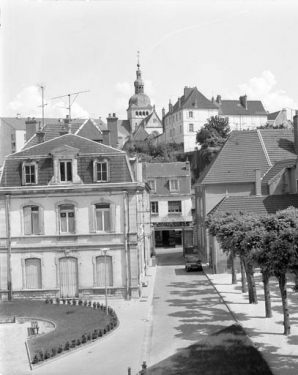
(104, 331)
(41, 356)
(100, 333)
(94, 305)
(58, 301)
(98, 305)
(78, 342)
(69, 301)
(47, 300)
(47, 355)
(51, 300)
(54, 352)
(89, 336)
(80, 302)
(94, 334)
(85, 303)
(64, 301)
(74, 302)
(89, 304)
(84, 338)
(73, 344)
(66, 346)
(60, 349)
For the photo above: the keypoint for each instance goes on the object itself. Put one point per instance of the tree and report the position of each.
(212, 136)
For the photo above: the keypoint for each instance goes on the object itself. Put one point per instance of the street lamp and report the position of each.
(104, 250)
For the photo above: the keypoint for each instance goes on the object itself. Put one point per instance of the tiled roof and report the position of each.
(234, 108)
(123, 127)
(167, 169)
(194, 99)
(276, 169)
(279, 143)
(245, 151)
(85, 146)
(20, 123)
(267, 204)
(273, 115)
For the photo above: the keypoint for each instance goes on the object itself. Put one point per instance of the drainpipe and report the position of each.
(125, 212)
(9, 282)
(138, 249)
(144, 237)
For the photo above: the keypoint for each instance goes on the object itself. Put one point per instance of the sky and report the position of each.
(222, 47)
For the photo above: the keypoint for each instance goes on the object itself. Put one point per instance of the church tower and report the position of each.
(139, 105)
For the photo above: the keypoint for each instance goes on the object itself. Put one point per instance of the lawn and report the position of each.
(228, 352)
(71, 322)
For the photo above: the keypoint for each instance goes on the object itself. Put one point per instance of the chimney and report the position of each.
(243, 101)
(113, 128)
(212, 99)
(106, 135)
(66, 120)
(40, 136)
(218, 99)
(163, 113)
(64, 130)
(187, 91)
(170, 106)
(295, 125)
(18, 116)
(31, 127)
(179, 102)
(258, 181)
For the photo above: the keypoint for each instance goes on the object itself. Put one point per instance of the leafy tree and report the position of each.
(271, 126)
(212, 136)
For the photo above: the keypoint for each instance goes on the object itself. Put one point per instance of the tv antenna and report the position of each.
(42, 102)
(69, 101)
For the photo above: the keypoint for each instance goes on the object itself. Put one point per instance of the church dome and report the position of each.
(139, 100)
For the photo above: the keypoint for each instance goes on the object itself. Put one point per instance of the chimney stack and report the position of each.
(106, 135)
(113, 128)
(170, 106)
(243, 101)
(179, 102)
(295, 125)
(31, 128)
(163, 113)
(218, 99)
(258, 181)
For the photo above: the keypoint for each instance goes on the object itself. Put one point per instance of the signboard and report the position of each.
(172, 224)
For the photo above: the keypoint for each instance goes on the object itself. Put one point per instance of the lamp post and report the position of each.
(106, 291)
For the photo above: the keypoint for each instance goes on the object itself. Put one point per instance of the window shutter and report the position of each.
(113, 218)
(27, 220)
(41, 220)
(91, 219)
(94, 171)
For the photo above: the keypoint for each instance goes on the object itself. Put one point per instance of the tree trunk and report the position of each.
(243, 276)
(234, 276)
(268, 308)
(252, 293)
(282, 281)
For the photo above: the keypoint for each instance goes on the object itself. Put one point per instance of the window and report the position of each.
(152, 184)
(180, 128)
(102, 217)
(190, 127)
(102, 171)
(33, 220)
(190, 114)
(180, 116)
(65, 171)
(174, 207)
(174, 185)
(33, 273)
(67, 218)
(104, 271)
(29, 173)
(154, 207)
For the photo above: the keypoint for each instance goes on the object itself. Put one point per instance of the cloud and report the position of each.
(263, 88)
(28, 104)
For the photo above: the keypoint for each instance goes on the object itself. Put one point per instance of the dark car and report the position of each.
(193, 263)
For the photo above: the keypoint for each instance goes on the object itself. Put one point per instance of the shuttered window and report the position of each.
(174, 207)
(100, 271)
(33, 273)
(33, 220)
(67, 218)
(102, 217)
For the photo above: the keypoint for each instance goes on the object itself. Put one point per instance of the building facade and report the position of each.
(73, 214)
(170, 201)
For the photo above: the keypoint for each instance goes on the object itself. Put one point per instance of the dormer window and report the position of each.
(101, 170)
(29, 173)
(152, 184)
(65, 170)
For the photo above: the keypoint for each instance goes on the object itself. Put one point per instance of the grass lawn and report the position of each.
(71, 321)
(228, 352)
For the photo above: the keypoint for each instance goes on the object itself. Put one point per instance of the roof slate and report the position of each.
(247, 150)
(167, 169)
(256, 204)
(234, 108)
(85, 146)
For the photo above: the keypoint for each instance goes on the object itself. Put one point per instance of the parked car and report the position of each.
(193, 263)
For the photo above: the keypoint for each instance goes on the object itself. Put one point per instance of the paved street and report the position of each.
(186, 307)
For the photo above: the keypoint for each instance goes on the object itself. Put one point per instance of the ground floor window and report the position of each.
(33, 273)
(101, 268)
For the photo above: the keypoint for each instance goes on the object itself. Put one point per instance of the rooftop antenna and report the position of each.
(70, 103)
(42, 102)
(138, 58)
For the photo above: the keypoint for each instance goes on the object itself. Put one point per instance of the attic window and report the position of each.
(29, 173)
(101, 170)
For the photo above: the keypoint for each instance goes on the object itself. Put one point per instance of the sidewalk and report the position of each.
(281, 352)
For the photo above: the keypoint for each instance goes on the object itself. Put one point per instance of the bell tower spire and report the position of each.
(139, 84)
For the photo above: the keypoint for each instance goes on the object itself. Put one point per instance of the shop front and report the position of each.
(169, 232)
